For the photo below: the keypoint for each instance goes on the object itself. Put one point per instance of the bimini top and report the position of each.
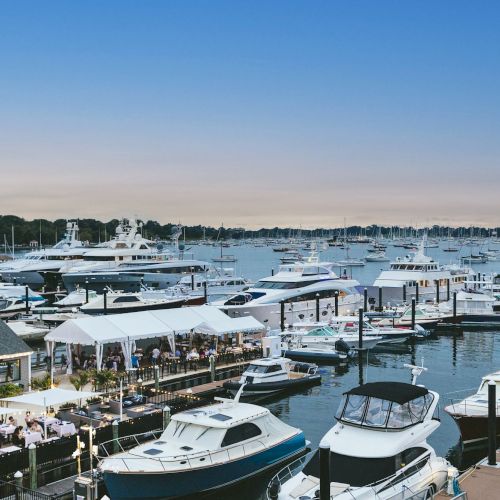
(397, 392)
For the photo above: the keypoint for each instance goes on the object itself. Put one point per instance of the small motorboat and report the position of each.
(471, 413)
(202, 450)
(321, 353)
(325, 335)
(272, 375)
(377, 257)
(378, 448)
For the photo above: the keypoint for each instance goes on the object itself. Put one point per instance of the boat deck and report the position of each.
(480, 482)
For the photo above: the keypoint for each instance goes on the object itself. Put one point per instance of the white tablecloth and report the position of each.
(64, 429)
(32, 437)
(6, 429)
(50, 420)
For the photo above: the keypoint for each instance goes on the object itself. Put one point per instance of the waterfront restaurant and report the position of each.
(127, 329)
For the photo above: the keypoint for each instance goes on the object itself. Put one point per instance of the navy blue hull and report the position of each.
(189, 482)
(324, 357)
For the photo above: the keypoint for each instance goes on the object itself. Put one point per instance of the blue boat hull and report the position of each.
(192, 481)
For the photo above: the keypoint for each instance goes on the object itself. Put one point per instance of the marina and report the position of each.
(250, 250)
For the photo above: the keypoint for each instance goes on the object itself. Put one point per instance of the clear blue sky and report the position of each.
(251, 112)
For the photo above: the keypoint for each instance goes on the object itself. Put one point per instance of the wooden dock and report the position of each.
(480, 482)
(206, 388)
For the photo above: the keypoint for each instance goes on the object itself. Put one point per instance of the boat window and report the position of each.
(131, 298)
(355, 471)
(377, 412)
(400, 416)
(273, 368)
(240, 433)
(256, 369)
(355, 409)
(283, 285)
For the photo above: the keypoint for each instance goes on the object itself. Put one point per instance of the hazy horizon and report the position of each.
(258, 114)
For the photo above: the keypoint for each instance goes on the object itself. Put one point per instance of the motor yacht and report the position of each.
(325, 335)
(378, 448)
(267, 376)
(13, 300)
(471, 412)
(298, 286)
(129, 260)
(41, 267)
(418, 268)
(202, 450)
(376, 257)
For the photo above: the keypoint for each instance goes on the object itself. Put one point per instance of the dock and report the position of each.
(479, 482)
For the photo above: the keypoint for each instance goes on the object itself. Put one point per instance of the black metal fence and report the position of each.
(11, 491)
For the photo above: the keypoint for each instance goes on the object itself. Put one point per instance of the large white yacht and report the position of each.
(33, 268)
(129, 260)
(423, 270)
(378, 448)
(298, 286)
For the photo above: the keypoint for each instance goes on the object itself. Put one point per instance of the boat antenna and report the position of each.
(416, 371)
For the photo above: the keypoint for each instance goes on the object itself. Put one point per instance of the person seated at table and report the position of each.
(35, 427)
(18, 438)
(13, 421)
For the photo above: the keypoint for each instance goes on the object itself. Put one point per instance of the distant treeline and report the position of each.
(49, 232)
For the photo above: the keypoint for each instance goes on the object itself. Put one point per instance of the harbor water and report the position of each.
(456, 361)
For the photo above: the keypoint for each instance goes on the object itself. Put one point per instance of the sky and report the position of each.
(251, 113)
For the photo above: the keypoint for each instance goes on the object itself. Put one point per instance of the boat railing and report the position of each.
(459, 402)
(124, 443)
(291, 470)
(172, 463)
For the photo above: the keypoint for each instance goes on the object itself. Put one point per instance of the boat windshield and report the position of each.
(374, 412)
(257, 369)
(324, 331)
(282, 285)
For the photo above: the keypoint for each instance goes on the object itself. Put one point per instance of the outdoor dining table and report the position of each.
(7, 429)
(32, 437)
(64, 428)
(48, 420)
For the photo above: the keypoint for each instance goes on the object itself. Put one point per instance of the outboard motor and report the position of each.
(342, 346)
(274, 489)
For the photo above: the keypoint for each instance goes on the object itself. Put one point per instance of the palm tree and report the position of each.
(80, 380)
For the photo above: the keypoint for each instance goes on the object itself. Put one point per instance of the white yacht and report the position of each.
(378, 448)
(422, 270)
(298, 286)
(41, 266)
(129, 260)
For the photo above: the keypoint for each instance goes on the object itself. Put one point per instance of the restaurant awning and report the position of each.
(49, 397)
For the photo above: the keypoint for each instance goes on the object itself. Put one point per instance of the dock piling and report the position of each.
(115, 428)
(105, 298)
(413, 307)
(365, 301)
(27, 299)
(416, 292)
(336, 297)
(86, 291)
(404, 292)
(380, 306)
(32, 466)
(18, 477)
(166, 416)
(205, 293)
(492, 423)
(437, 291)
(447, 289)
(324, 471)
(360, 328)
(282, 316)
(454, 305)
(317, 308)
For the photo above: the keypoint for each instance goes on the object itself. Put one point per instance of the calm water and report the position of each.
(455, 362)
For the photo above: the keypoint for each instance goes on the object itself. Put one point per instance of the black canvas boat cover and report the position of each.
(398, 392)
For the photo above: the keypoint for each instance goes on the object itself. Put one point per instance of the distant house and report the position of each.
(33, 244)
(15, 358)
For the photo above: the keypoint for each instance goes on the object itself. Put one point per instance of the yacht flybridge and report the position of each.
(202, 450)
(298, 285)
(378, 448)
(422, 270)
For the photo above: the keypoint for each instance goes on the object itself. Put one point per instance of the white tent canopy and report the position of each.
(12, 411)
(130, 327)
(49, 397)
